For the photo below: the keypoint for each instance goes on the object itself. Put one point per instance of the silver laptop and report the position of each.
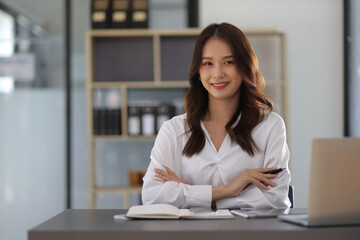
(334, 186)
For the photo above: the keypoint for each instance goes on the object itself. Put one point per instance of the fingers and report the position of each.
(259, 178)
(159, 171)
(264, 172)
(267, 182)
(163, 177)
(167, 175)
(265, 179)
(169, 170)
(161, 174)
(262, 182)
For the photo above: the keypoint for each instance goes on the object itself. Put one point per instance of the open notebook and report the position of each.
(166, 211)
(334, 195)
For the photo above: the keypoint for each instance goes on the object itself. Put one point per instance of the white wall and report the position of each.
(315, 65)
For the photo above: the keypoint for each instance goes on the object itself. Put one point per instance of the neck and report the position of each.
(221, 110)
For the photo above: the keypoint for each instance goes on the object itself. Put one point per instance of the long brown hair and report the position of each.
(253, 104)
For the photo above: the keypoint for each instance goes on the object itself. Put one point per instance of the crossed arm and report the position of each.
(257, 177)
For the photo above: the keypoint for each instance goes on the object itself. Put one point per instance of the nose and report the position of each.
(218, 72)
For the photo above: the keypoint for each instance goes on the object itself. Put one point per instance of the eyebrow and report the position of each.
(226, 57)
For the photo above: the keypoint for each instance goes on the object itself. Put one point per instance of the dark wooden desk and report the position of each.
(100, 224)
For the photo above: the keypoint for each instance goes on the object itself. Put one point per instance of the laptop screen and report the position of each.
(334, 192)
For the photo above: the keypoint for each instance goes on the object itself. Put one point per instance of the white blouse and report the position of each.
(214, 168)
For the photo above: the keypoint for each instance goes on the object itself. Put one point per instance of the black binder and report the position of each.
(121, 14)
(96, 121)
(113, 121)
(100, 13)
(102, 121)
(140, 14)
(110, 122)
(117, 121)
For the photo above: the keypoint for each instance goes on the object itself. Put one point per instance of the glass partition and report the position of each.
(32, 115)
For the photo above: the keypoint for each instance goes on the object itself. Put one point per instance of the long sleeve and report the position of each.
(276, 154)
(167, 152)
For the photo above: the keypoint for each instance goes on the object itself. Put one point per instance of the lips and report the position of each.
(219, 85)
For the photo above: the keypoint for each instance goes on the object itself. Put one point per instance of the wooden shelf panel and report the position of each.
(118, 189)
(139, 84)
(106, 33)
(123, 138)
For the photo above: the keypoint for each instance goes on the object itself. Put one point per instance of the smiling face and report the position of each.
(218, 72)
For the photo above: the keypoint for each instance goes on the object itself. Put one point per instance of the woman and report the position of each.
(218, 153)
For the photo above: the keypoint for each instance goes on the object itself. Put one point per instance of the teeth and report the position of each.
(219, 84)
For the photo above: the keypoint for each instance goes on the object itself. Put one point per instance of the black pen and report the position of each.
(274, 171)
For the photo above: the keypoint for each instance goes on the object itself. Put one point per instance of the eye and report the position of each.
(207, 63)
(229, 62)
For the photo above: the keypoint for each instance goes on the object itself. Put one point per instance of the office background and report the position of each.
(33, 122)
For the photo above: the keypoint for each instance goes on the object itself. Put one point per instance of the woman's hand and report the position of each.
(241, 182)
(167, 175)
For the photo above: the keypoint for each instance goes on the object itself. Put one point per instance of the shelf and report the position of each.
(106, 33)
(162, 84)
(141, 64)
(123, 138)
(118, 189)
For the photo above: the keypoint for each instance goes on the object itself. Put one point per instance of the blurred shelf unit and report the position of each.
(136, 79)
